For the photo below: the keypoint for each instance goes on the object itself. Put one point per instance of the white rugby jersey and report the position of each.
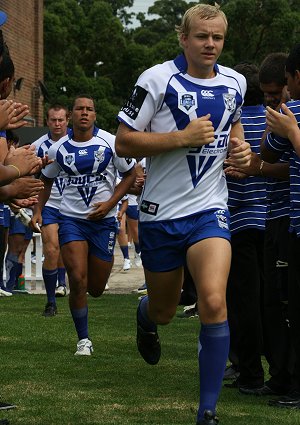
(165, 99)
(42, 146)
(90, 172)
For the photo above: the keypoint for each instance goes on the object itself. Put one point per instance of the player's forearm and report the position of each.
(123, 187)
(136, 144)
(44, 194)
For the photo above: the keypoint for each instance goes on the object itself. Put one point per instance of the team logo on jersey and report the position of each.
(99, 154)
(222, 219)
(69, 159)
(230, 102)
(134, 103)
(187, 102)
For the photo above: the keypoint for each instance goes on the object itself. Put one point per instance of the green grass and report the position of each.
(49, 385)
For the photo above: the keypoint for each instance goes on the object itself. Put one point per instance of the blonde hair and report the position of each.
(202, 11)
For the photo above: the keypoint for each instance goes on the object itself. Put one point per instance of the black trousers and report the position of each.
(294, 300)
(277, 338)
(244, 304)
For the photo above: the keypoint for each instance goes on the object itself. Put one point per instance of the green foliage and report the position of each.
(89, 47)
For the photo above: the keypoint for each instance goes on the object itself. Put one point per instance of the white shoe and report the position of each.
(127, 264)
(4, 293)
(137, 260)
(60, 291)
(84, 347)
(23, 217)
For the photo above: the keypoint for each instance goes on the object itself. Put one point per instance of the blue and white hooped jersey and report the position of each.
(42, 146)
(165, 99)
(280, 145)
(90, 172)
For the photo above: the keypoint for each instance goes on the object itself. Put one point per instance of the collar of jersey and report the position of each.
(182, 65)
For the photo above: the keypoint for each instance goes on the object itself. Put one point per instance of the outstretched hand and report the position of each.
(12, 114)
(24, 159)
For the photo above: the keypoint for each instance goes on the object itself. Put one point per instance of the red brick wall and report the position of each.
(23, 33)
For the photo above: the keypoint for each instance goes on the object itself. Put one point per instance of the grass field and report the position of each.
(50, 386)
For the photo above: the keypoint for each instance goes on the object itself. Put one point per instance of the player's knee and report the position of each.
(213, 307)
(161, 316)
(95, 292)
(51, 251)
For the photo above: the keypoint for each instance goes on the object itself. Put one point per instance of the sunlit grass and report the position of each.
(49, 385)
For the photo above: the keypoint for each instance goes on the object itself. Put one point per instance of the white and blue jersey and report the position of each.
(90, 171)
(247, 197)
(42, 146)
(185, 181)
(279, 145)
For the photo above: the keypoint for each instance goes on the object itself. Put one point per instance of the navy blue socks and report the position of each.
(213, 354)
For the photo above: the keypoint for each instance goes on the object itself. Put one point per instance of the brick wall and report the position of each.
(23, 33)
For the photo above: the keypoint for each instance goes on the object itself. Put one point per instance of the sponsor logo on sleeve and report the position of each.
(135, 102)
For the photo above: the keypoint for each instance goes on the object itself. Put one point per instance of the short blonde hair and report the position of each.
(202, 11)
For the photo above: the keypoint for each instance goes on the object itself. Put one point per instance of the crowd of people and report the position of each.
(203, 174)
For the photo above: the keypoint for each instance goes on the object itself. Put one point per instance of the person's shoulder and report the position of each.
(38, 142)
(56, 145)
(104, 135)
(160, 71)
(229, 72)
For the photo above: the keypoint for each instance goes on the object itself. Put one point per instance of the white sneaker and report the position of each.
(137, 260)
(127, 264)
(4, 293)
(84, 347)
(60, 291)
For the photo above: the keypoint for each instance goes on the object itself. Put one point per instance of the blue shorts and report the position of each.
(164, 244)
(51, 215)
(4, 215)
(132, 212)
(100, 235)
(17, 227)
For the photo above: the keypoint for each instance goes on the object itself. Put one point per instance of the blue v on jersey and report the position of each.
(165, 99)
(90, 172)
(42, 146)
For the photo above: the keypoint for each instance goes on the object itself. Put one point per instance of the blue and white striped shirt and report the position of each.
(247, 197)
(279, 144)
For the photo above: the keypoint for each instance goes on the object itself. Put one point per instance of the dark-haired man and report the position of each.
(87, 230)
(276, 143)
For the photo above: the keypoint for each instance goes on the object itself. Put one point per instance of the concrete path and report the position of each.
(119, 282)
